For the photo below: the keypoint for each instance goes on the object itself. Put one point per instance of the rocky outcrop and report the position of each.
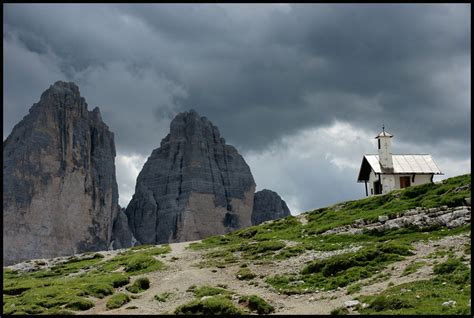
(193, 186)
(122, 237)
(60, 193)
(268, 205)
(443, 216)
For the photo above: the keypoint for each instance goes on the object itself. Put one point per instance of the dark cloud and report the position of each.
(259, 72)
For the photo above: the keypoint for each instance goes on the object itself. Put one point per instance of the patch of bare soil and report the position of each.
(182, 273)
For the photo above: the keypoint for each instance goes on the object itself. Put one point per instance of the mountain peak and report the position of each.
(62, 88)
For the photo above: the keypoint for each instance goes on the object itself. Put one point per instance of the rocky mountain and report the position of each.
(268, 205)
(122, 237)
(60, 193)
(60, 190)
(407, 252)
(193, 186)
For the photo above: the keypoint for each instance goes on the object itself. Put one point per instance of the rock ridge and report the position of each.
(268, 205)
(193, 186)
(60, 191)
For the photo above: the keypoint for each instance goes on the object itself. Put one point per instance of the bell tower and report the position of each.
(385, 149)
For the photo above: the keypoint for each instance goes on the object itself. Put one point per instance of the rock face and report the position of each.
(122, 237)
(193, 186)
(60, 193)
(421, 218)
(268, 205)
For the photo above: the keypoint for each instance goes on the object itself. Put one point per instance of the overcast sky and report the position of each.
(300, 90)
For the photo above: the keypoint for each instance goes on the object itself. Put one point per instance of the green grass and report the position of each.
(210, 291)
(384, 303)
(339, 270)
(467, 249)
(450, 266)
(264, 242)
(163, 297)
(340, 311)
(117, 301)
(32, 295)
(214, 305)
(139, 285)
(80, 304)
(427, 195)
(45, 291)
(256, 303)
(452, 282)
(133, 263)
(245, 274)
(412, 268)
(49, 290)
(218, 258)
(354, 289)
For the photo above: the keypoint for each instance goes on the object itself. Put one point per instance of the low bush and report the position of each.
(99, 290)
(448, 267)
(210, 291)
(163, 297)
(214, 305)
(367, 257)
(412, 268)
(117, 301)
(139, 262)
(139, 285)
(245, 274)
(80, 304)
(340, 311)
(353, 289)
(381, 303)
(256, 303)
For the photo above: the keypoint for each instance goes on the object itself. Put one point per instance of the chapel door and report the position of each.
(377, 187)
(404, 182)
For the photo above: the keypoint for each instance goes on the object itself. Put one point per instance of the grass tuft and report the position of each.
(245, 274)
(117, 301)
(256, 303)
(140, 285)
(214, 305)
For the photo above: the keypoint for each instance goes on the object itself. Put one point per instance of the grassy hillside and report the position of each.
(303, 263)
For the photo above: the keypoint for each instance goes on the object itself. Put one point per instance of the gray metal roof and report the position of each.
(406, 164)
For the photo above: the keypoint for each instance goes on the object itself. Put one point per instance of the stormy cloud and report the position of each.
(278, 80)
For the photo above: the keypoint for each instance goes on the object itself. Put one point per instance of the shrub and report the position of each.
(380, 303)
(416, 191)
(215, 305)
(255, 303)
(353, 289)
(120, 280)
(99, 290)
(117, 301)
(80, 304)
(365, 257)
(139, 262)
(245, 274)
(412, 268)
(59, 312)
(14, 291)
(163, 297)
(263, 247)
(139, 285)
(448, 267)
(210, 291)
(340, 311)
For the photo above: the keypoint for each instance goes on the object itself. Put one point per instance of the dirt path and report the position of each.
(182, 273)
